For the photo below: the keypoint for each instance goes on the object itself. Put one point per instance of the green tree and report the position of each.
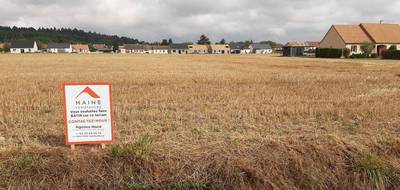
(164, 42)
(41, 45)
(188, 43)
(346, 52)
(204, 40)
(170, 41)
(367, 48)
(222, 41)
(269, 42)
(92, 48)
(6, 47)
(115, 47)
(248, 42)
(393, 48)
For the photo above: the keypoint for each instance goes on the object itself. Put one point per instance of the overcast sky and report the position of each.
(185, 20)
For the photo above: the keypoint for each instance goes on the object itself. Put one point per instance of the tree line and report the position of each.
(61, 35)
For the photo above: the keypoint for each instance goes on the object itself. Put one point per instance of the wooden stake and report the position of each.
(103, 146)
(72, 147)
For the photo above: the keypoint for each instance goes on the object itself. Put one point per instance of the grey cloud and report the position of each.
(185, 20)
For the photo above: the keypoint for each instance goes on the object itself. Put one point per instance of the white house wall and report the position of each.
(176, 51)
(25, 50)
(60, 50)
(263, 51)
(158, 51)
(221, 51)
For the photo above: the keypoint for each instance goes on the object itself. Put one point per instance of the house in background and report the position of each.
(293, 49)
(135, 48)
(102, 48)
(120, 49)
(59, 48)
(310, 48)
(246, 50)
(278, 48)
(219, 49)
(158, 49)
(237, 47)
(24, 47)
(260, 48)
(382, 36)
(80, 48)
(178, 48)
(198, 49)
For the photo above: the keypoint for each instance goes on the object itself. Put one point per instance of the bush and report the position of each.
(378, 173)
(393, 48)
(358, 56)
(391, 55)
(346, 52)
(362, 55)
(367, 48)
(328, 53)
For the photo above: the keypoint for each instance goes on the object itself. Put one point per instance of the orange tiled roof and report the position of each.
(312, 44)
(383, 33)
(219, 46)
(80, 46)
(198, 47)
(352, 34)
(296, 44)
(99, 46)
(302, 44)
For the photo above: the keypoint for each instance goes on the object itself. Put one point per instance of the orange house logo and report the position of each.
(89, 92)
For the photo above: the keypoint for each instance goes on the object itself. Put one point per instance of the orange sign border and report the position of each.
(65, 113)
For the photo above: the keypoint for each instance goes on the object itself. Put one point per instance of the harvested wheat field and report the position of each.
(205, 122)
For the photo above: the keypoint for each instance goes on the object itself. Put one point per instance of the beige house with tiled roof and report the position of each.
(219, 49)
(353, 36)
(80, 48)
(198, 49)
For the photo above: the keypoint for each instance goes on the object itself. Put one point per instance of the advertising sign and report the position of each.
(88, 113)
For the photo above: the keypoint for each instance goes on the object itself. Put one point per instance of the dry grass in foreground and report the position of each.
(206, 122)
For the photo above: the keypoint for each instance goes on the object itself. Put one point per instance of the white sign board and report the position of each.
(88, 113)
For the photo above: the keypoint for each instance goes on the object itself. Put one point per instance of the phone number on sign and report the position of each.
(88, 133)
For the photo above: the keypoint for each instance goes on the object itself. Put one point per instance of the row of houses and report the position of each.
(32, 47)
(232, 48)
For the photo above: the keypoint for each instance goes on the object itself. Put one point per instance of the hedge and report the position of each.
(391, 55)
(362, 55)
(328, 53)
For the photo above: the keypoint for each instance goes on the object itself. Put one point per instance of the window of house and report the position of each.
(353, 48)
